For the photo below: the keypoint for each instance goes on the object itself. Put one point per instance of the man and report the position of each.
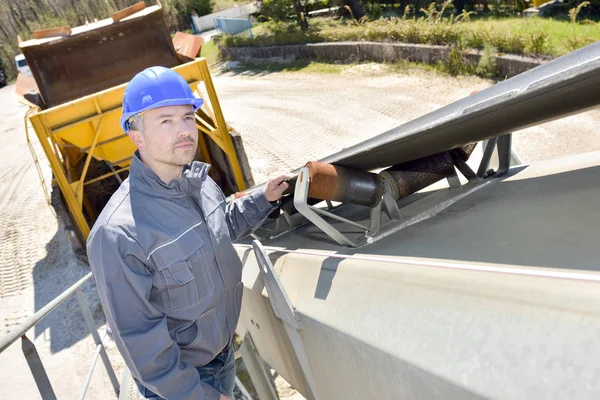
(161, 250)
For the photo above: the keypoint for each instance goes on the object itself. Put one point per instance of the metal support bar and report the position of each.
(107, 175)
(338, 218)
(89, 320)
(36, 161)
(203, 148)
(102, 143)
(464, 168)
(255, 368)
(117, 177)
(283, 309)
(504, 154)
(376, 218)
(37, 369)
(454, 181)
(390, 202)
(487, 156)
(122, 161)
(88, 379)
(30, 322)
(86, 165)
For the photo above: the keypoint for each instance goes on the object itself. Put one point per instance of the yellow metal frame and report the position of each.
(89, 127)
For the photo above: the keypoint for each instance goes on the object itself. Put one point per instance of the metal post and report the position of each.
(89, 320)
(37, 369)
(504, 154)
(255, 368)
(487, 156)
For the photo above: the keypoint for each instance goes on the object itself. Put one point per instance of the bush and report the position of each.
(457, 63)
(537, 43)
(487, 66)
(515, 36)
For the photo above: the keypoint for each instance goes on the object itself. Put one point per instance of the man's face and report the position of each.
(168, 135)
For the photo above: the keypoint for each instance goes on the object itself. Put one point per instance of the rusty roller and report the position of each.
(346, 185)
(410, 177)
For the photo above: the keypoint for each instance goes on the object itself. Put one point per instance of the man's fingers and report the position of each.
(280, 178)
(278, 190)
(281, 188)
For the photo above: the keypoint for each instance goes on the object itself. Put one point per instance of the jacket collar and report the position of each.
(146, 179)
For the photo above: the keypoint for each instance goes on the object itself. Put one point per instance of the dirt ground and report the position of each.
(285, 119)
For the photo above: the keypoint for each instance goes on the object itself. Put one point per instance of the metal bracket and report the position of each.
(315, 215)
(504, 152)
(487, 156)
(284, 310)
(464, 168)
(300, 202)
(503, 145)
(454, 181)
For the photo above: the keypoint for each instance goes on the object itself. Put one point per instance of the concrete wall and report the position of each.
(509, 65)
(206, 22)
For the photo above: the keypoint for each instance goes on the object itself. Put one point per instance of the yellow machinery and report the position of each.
(88, 128)
(81, 74)
(537, 3)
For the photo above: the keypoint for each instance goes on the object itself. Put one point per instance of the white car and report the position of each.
(22, 64)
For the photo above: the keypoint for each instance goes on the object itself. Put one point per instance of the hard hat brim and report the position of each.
(195, 102)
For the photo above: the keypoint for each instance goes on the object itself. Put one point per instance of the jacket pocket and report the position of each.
(207, 332)
(181, 288)
(208, 341)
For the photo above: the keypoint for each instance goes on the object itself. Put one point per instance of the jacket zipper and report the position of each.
(212, 242)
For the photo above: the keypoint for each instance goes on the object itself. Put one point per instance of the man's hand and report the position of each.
(276, 186)
(223, 397)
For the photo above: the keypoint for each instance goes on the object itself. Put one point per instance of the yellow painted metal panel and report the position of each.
(91, 123)
(537, 3)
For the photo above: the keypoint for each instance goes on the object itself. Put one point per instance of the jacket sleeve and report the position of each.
(140, 330)
(246, 214)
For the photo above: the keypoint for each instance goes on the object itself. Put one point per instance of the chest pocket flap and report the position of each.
(181, 288)
(181, 271)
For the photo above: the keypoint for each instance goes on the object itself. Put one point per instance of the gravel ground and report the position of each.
(286, 119)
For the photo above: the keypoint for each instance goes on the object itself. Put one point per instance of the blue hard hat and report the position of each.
(153, 88)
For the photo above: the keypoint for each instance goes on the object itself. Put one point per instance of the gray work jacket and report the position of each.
(168, 275)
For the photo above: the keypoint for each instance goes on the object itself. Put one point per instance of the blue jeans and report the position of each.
(219, 374)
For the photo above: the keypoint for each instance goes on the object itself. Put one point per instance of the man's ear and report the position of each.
(138, 139)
